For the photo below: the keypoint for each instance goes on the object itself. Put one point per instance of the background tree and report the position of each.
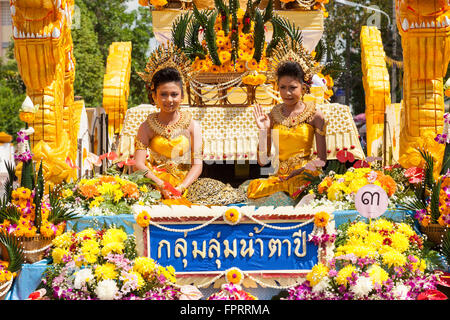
(90, 66)
(12, 95)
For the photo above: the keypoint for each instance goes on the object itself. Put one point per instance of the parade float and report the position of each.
(112, 235)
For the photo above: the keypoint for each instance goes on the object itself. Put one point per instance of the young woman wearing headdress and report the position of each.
(296, 123)
(172, 137)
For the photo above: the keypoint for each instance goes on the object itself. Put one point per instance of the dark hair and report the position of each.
(294, 70)
(165, 75)
(162, 76)
(291, 69)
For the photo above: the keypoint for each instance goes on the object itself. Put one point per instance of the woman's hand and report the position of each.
(261, 118)
(293, 174)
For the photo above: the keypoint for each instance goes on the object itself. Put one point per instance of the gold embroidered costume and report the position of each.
(295, 139)
(169, 149)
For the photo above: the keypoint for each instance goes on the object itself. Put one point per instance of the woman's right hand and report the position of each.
(261, 118)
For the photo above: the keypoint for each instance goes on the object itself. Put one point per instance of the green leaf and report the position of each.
(210, 37)
(179, 27)
(268, 12)
(8, 185)
(259, 37)
(59, 213)
(9, 212)
(15, 252)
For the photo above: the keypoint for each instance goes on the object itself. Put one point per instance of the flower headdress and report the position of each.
(291, 50)
(164, 57)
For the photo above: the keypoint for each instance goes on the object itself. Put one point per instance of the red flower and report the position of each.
(432, 295)
(345, 155)
(361, 164)
(414, 174)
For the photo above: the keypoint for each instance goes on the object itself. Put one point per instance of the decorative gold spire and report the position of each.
(165, 56)
(289, 50)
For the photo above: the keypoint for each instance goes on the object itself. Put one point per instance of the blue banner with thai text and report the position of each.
(271, 247)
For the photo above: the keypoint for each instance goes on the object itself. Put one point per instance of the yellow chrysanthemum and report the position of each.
(318, 272)
(63, 241)
(377, 274)
(358, 229)
(344, 273)
(114, 235)
(400, 242)
(145, 266)
(113, 247)
(87, 233)
(106, 271)
(405, 229)
(58, 254)
(393, 258)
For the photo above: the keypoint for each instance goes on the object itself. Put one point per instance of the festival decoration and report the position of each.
(339, 186)
(11, 251)
(376, 86)
(431, 201)
(109, 194)
(194, 239)
(230, 291)
(44, 52)
(380, 260)
(28, 214)
(423, 26)
(116, 87)
(103, 265)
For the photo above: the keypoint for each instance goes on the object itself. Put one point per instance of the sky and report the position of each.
(133, 4)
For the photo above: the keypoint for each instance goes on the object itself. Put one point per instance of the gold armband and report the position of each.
(138, 145)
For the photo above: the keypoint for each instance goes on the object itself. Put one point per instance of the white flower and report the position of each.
(400, 291)
(362, 287)
(189, 292)
(106, 289)
(82, 277)
(322, 285)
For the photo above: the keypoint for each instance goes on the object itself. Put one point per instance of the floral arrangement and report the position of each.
(9, 268)
(232, 216)
(323, 234)
(432, 196)
(103, 265)
(336, 187)
(109, 194)
(19, 216)
(234, 51)
(381, 260)
(27, 211)
(230, 291)
(155, 3)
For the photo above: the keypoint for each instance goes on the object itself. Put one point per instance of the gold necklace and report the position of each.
(172, 130)
(291, 121)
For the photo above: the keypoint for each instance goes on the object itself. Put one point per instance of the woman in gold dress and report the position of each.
(172, 137)
(292, 126)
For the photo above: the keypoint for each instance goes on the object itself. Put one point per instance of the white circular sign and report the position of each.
(371, 201)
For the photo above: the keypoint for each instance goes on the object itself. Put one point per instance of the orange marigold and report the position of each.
(89, 191)
(130, 190)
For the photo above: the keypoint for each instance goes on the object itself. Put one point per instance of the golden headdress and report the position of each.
(164, 57)
(289, 50)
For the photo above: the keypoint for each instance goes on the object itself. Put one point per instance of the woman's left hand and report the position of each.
(294, 173)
